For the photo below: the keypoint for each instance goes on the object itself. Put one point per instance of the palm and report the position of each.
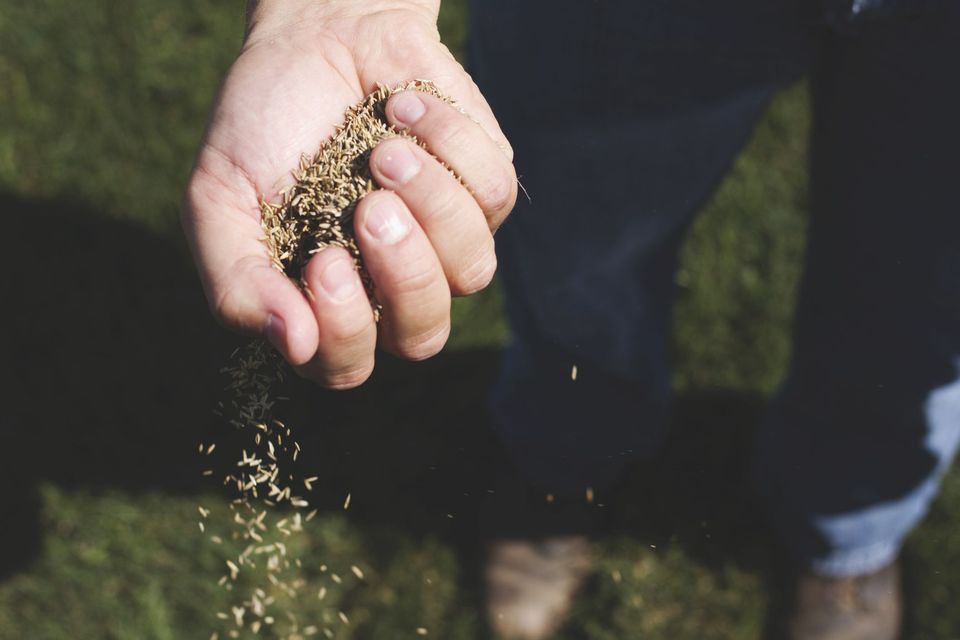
(283, 98)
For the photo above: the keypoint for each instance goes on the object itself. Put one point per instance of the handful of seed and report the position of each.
(317, 210)
(271, 508)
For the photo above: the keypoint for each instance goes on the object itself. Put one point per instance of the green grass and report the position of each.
(116, 359)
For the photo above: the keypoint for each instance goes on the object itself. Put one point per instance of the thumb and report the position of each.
(245, 292)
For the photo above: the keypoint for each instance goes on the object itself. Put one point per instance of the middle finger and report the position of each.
(446, 210)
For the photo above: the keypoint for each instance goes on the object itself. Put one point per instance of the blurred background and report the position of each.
(111, 370)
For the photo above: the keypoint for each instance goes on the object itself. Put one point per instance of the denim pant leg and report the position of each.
(623, 116)
(869, 417)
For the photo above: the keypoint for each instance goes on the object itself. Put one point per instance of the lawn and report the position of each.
(111, 374)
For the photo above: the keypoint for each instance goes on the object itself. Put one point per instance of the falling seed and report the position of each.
(422, 631)
(316, 212)
(200, 524)
(590, 495)
(573, 373)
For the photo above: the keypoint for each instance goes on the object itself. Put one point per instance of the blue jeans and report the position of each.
(624, 117)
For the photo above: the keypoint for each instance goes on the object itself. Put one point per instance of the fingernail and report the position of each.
(408, 109)
(385, 222)
(274, 331)
(339, 279)
(398, 163)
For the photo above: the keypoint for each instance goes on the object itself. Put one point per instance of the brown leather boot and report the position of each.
(866, 607)
(531, 583)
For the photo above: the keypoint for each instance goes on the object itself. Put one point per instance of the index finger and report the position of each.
(463, 145)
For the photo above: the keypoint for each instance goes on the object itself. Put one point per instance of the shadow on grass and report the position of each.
(113, 371)
(111, 375)
(111, 361)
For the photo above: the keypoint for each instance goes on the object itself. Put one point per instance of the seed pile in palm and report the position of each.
(317, 210)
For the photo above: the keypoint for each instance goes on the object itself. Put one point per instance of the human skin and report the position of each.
(424, 236)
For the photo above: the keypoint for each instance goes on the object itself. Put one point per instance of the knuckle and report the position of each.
(350, 379)
(476, 275)
(348, 328)
(450, 134)
(225, 307)
(418, 279)
(499, 194)
(442, 206)
(425, 344)
(231, 301)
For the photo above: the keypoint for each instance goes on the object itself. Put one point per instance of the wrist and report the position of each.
(287, 12)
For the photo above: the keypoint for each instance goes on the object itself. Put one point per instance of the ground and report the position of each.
(111, 373)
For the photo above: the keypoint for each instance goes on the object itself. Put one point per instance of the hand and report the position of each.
(424, 237)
